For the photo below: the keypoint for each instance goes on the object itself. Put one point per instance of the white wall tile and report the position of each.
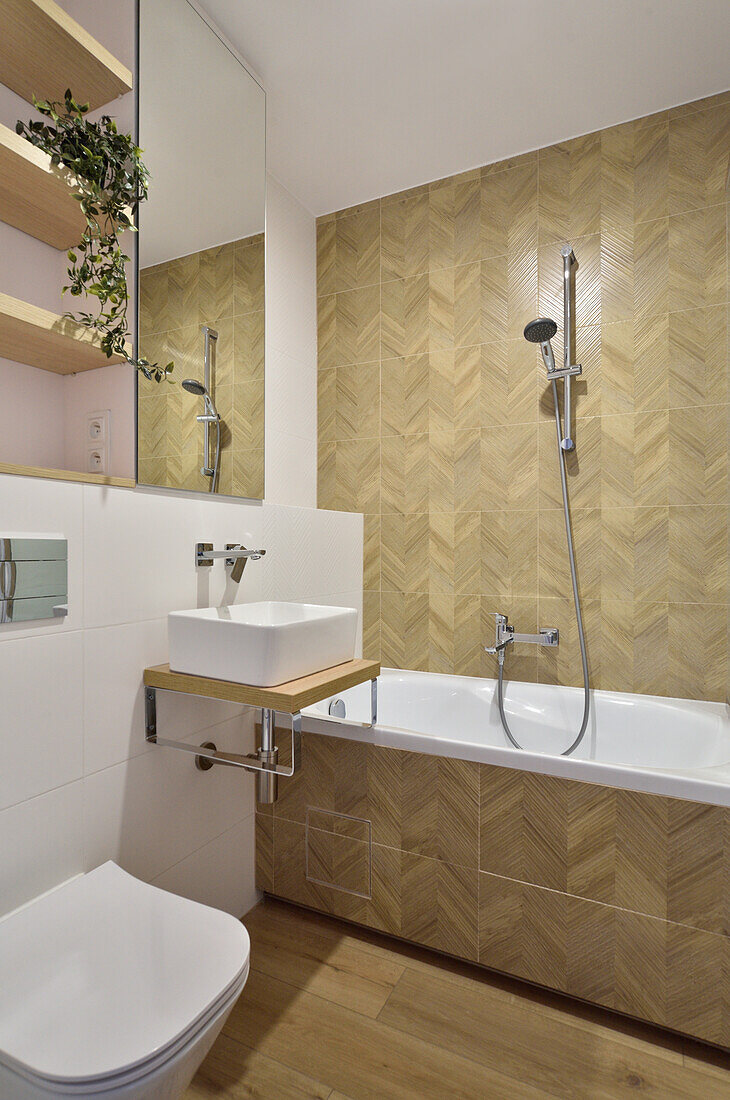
(291, 350)
(155, 809)
(41, 844)
(291, 469)
(140, 556)
(222, 873)
(291, 405)
(41, 688)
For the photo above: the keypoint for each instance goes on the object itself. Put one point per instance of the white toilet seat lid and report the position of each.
(106, 972)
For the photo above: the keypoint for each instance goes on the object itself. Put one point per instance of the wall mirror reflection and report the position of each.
(201, 258)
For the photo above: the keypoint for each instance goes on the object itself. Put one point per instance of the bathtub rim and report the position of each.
(709, 785)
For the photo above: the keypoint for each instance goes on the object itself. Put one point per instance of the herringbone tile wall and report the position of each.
(615, 896)
(435, 418)
(223, 287)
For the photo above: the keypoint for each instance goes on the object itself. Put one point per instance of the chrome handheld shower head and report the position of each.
(192, 385)
(541, 331)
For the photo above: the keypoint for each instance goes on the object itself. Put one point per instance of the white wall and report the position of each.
(79, 784)
(291, 349)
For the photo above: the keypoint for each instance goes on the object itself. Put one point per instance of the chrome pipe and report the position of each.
(267, 782)
(208, 335)
(567, 442)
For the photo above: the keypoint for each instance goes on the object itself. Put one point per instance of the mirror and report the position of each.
(201, 258)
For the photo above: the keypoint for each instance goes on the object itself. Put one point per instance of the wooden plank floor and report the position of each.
(331, 1012)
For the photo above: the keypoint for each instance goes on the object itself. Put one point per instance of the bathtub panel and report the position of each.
(591, 958)
(665, 857)
(418, 803)
(614, 896)
(591, 836)
(264, 853)
(439, 905)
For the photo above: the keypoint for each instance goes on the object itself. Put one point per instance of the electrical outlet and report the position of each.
(98, 431)
(97, 426)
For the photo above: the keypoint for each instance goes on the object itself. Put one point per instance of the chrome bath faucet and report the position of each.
(506, 635)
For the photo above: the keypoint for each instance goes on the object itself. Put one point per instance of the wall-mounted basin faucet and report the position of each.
(235, 554)
(238, 555)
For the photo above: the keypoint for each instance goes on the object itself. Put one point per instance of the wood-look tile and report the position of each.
(509, 468)
(697, 166)
(349, 327)
(320, 959)
(697, 258)
(357, 401)
(570, 189)
(348, 251)
(234, 1071)
(248, 276)
(523, 930)
(404, 630)
(466, 262)
(508, 384)
(406, 1065)
(424, 1006)
(439, 905)
(404, 552)
(404, 478)
(216, 283)
(404, 387)
(265, 851)
(509, 553)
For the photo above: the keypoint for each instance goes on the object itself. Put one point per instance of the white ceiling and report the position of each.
(367, 98)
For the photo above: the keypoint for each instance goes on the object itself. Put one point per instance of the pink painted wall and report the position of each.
(46, 425)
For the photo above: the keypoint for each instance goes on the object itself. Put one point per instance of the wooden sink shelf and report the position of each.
(286, 698)
(35, 197)
(29, 334)
(43, 51)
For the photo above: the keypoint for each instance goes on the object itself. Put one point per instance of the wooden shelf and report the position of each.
(286, 698)
(36, 197)
(42, 339)
(66, 475)
(43, 51)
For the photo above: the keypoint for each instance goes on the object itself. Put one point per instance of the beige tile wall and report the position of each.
(224, 287)
(435, 418)
(614, 896)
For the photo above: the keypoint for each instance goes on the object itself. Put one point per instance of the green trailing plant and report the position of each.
(109, 181)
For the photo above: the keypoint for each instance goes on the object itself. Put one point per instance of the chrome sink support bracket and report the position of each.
(351, 721)
(262, 761)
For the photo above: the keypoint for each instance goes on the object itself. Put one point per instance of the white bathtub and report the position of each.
(642, 742)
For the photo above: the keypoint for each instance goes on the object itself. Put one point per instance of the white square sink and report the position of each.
(263, 644)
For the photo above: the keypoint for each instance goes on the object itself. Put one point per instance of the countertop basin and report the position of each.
(264, 644)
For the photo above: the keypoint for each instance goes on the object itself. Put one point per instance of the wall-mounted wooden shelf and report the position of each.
(34, 196)
(66, 475)
(286, 698)
(43, 51)
(43, 339)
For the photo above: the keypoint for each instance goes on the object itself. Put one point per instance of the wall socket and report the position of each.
(97, 441)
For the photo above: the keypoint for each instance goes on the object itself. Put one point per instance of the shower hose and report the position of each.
(576, 600)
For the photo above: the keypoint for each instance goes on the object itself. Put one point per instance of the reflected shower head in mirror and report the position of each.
(192, 385)
(541, 331)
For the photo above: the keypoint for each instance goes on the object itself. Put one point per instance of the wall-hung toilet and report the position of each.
(112, 988)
